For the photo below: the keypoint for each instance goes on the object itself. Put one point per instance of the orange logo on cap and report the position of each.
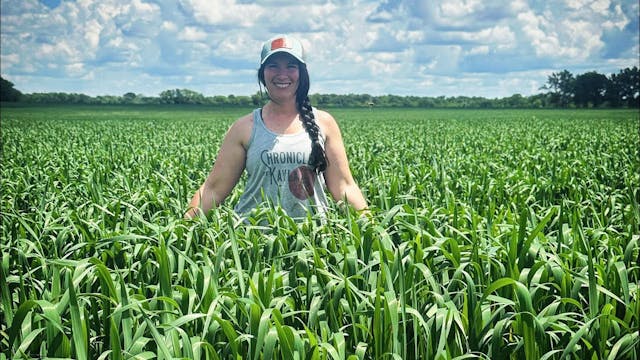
(279, 43)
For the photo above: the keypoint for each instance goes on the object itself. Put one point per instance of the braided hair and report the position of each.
(318, 157)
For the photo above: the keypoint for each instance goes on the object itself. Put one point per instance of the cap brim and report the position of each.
(281, 51)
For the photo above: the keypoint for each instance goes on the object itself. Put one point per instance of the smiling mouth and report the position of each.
(282, 85)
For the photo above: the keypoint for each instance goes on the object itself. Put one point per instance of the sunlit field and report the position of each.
(495, 234)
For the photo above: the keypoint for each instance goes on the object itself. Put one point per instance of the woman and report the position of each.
(290, 151)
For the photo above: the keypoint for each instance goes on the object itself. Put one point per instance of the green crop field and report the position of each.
(495, 234)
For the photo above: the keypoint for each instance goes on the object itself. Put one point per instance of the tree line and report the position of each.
(562, 89)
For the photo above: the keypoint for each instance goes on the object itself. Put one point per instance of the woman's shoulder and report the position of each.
(326, 121)
(241, 128)
(244, 122)
(245, 119)
(322, 115)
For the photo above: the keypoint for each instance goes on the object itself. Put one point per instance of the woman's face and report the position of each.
(281, 75)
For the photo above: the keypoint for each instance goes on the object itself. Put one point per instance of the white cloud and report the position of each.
(545, 44)
(62, 50)
(583, 39)
(497, 35)
(75, 69)
(410, 36)
(576, 4)
(575, 36)
(92, 33)
(223, 12)
(219, 72)
(617, 20)
(441, 47)
(191, 33)
(459, 8)
(600, 6)
(479, 50)
(169, 26)
(517, 6)
(10, 59)
(236, 46)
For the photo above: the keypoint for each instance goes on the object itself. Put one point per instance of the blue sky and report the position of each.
(483, 48)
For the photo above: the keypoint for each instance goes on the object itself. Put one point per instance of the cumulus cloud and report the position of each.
(222, 12)
(191, 33)
(441, 47)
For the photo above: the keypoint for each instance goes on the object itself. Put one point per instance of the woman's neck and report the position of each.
(281, 118)
(281, 109)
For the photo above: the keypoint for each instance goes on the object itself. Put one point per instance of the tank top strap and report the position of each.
(258, 125)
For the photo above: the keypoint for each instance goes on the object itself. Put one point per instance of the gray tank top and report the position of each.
(278, 172)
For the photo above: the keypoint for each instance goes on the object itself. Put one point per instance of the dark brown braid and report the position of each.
(318, 157)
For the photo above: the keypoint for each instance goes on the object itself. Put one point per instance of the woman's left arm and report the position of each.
(338, 175)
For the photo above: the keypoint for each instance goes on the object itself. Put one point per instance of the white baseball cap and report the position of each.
(282, 43)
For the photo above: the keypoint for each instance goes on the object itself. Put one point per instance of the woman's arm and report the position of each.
(226, 171)
(338, 176)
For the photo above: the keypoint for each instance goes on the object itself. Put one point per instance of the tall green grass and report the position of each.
(494, 234)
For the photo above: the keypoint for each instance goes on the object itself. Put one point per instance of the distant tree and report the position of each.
(181, 96)
(59, 98)
(624, 88)
(562, 85)
(256, 99)
(539, 101)
(590, 89)
(425, 102)
(7, 92)
(323, 100)
(243, 100)
(516, 101)
(107, 100)
(129, 98)
(220, 100)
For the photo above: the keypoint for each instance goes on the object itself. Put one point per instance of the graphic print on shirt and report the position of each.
(280, 168)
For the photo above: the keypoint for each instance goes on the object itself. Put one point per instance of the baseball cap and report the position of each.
(282, 43)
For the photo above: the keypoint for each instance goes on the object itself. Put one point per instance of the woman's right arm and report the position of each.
(226, 171)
